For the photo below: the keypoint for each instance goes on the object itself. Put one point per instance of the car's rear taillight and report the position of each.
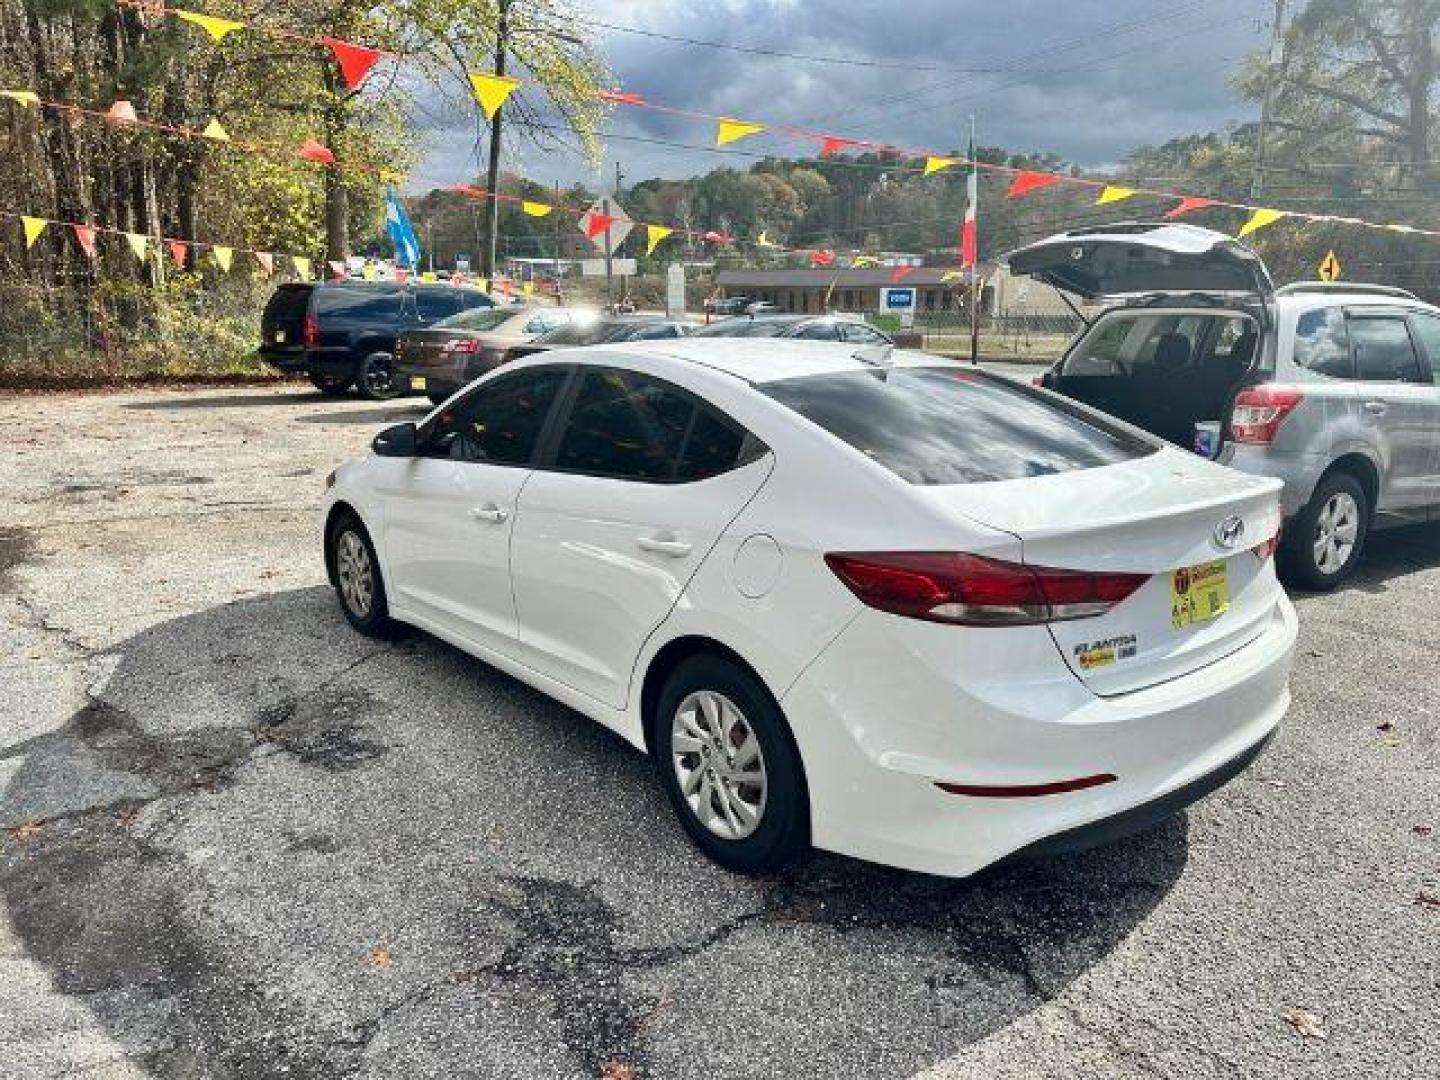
(1260, 410)
(1265, 550)
(310, 332)
(462, 345)
(973, 590)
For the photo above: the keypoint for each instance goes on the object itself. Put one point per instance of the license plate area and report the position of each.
(1199, 594)
(417, 382)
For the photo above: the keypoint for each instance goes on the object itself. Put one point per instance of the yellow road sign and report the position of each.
(1330, 267)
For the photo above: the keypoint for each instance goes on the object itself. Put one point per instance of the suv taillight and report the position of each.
(972, 590)
(464, 345)
(1260, 410)
(310, 332)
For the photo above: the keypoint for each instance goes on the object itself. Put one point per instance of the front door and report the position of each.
(643, 481)
(1426, 330)
(449, 513)
(1396, 404)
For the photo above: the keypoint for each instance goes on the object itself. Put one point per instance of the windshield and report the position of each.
(477, 319)
(744, 328)
(955, 426)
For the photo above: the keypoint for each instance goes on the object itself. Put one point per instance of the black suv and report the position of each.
(342, 333)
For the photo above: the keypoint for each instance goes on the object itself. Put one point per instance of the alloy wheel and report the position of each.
(376, 378)
(1336, 530)
(719, 764)
(355, 573)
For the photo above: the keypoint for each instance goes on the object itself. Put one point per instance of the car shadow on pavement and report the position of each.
(269, 845)
(1390, 554)
(396, 412)
(184, 401)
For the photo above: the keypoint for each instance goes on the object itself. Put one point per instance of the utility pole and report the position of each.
(975, 266)
(609, 245)
(1277, 52)
(559, 298)
(492, 174)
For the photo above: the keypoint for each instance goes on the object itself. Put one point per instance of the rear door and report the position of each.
(1425, 328)
(1396, 405)
(641, 481)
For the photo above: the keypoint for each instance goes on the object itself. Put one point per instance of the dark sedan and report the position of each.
(807, 327)
(439, 360)
(601, 331)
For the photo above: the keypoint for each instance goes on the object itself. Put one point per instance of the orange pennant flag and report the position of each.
(266, 261)
(355, 60)
(1188, 204)
(179, 252)
(338, 268)
(311, 150)
(729, 130)
(1026, 181)
(491, 91)
(593, 224)
(122, 112)
(85, 237)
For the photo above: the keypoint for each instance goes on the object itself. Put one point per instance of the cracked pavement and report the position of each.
(239, 840)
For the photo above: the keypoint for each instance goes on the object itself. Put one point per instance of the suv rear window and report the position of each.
(955, 426)
(350, 302)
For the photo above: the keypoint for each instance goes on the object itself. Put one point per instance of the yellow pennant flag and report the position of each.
(491, 91)
(1114, 193)
(763, 240)
(939, 164)
(138, 243)
(223, 256)
(215, 130)
(34, 226)
(1259, 219)
(536, 209)
(951, 275)
(371, 272)
(428, 276)
(528, 288)
(302, 266)
(28, 98)
(730, 130)
(216, 28)
(654, 234)
(483, 284)
(864, 260)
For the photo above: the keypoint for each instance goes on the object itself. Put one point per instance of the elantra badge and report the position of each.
(1230, 532)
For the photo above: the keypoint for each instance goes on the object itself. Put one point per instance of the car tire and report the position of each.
(1324, 541)
(715, 727)
(374, 379)
(355, 571)
(332, 385)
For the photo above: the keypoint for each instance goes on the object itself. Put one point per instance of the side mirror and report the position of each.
(402, 440)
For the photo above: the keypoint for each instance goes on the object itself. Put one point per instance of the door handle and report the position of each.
(660, 545)
(1376, 408)
(491, 513)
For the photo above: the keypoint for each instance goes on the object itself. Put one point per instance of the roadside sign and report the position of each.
(620, 223)
(596, 267)
(1330, 267)
(674, 290)
(899, 299)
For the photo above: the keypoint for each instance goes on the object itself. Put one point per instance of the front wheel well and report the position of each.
(338, 512)
(1365, 473)
(671, 656)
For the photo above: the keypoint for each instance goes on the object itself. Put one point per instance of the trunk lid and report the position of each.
(1130, 258)
(1164, 515)
(282, 324)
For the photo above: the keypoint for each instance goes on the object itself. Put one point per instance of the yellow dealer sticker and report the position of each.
(417, 382)
(1199, 594)
(1095, 654)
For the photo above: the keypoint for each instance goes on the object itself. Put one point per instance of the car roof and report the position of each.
(764, 360)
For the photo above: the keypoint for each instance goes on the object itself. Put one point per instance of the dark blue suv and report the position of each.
(342, 333)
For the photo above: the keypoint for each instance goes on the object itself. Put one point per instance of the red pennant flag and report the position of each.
(900, 273)
(1189, 203)
(713, 237)
(595, 224)
(355, 60)
(466, 189)
(1026, 182)
(266, 261)
(85, 234)
(179, 252)
(620, 97)
(402, 275)
(833, 145)
(823, 257)
(313, 151)
(338, 269)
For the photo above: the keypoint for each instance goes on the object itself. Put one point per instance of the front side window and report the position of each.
(477, 319)
(1427, 329)
(1322, 343)
(498, 423)
(632, 427)
(864, 335)
(1383, 350)
(955, 426)
(546, 320)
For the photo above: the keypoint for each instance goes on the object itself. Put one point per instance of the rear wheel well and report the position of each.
(1364, 472)
(338, 512)
(671, 656)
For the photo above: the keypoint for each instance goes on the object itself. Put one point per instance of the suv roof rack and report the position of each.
(1343, 287)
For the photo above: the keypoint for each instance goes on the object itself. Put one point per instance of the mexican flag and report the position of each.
(967, 230)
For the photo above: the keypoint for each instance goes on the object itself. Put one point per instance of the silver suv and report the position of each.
(1331, 388)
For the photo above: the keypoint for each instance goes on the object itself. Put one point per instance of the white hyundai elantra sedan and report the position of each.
(878, 603)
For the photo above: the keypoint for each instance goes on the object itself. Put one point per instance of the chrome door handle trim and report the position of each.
(676, 549)
(1376, 407)
(491, 513)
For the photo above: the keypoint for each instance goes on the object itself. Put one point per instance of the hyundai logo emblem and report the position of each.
(1230, 532)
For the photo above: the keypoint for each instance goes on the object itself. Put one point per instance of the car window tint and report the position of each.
(433, 304)
(712, 447)
(1322, 343)
(1383, 351)
(1127, 342)
(863, 335)
(474, 298)
(477, 319)
(369, 304)
(546, 320)
(499, 422)
(653, 332)
(625, 425)
(818, 331)
(1427, 328)
(954, 426)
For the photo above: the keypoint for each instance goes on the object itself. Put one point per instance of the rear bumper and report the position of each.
(442, 375)
(895, 706)
(1298, 472)
(322, 361)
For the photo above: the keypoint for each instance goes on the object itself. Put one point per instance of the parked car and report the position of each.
(438, 360)
(342, 333)
(806, 327)
(727, 305)
(761, 307)
(1043, 629)
(1331, 388)
(602, 331)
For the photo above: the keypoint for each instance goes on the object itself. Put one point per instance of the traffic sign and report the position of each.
(1330, 267)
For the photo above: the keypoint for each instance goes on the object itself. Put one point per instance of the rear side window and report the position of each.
(478, 319)
(288, 304)
(435, 304)
(1427, 328)
(370, 305)
(1322, 344)
(631, 427)
(954, 426)
(1383, 350)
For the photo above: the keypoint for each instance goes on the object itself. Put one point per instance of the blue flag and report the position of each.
(397, 224)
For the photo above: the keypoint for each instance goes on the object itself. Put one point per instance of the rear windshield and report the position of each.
(1144, 342)
(478, 319)
(288, 304)
(359, 302)
(744, 328)
(955, 426)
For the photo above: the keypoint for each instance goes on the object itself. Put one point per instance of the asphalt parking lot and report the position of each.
(239, 840)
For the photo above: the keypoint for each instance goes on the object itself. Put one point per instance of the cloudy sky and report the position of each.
(1087, 79)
